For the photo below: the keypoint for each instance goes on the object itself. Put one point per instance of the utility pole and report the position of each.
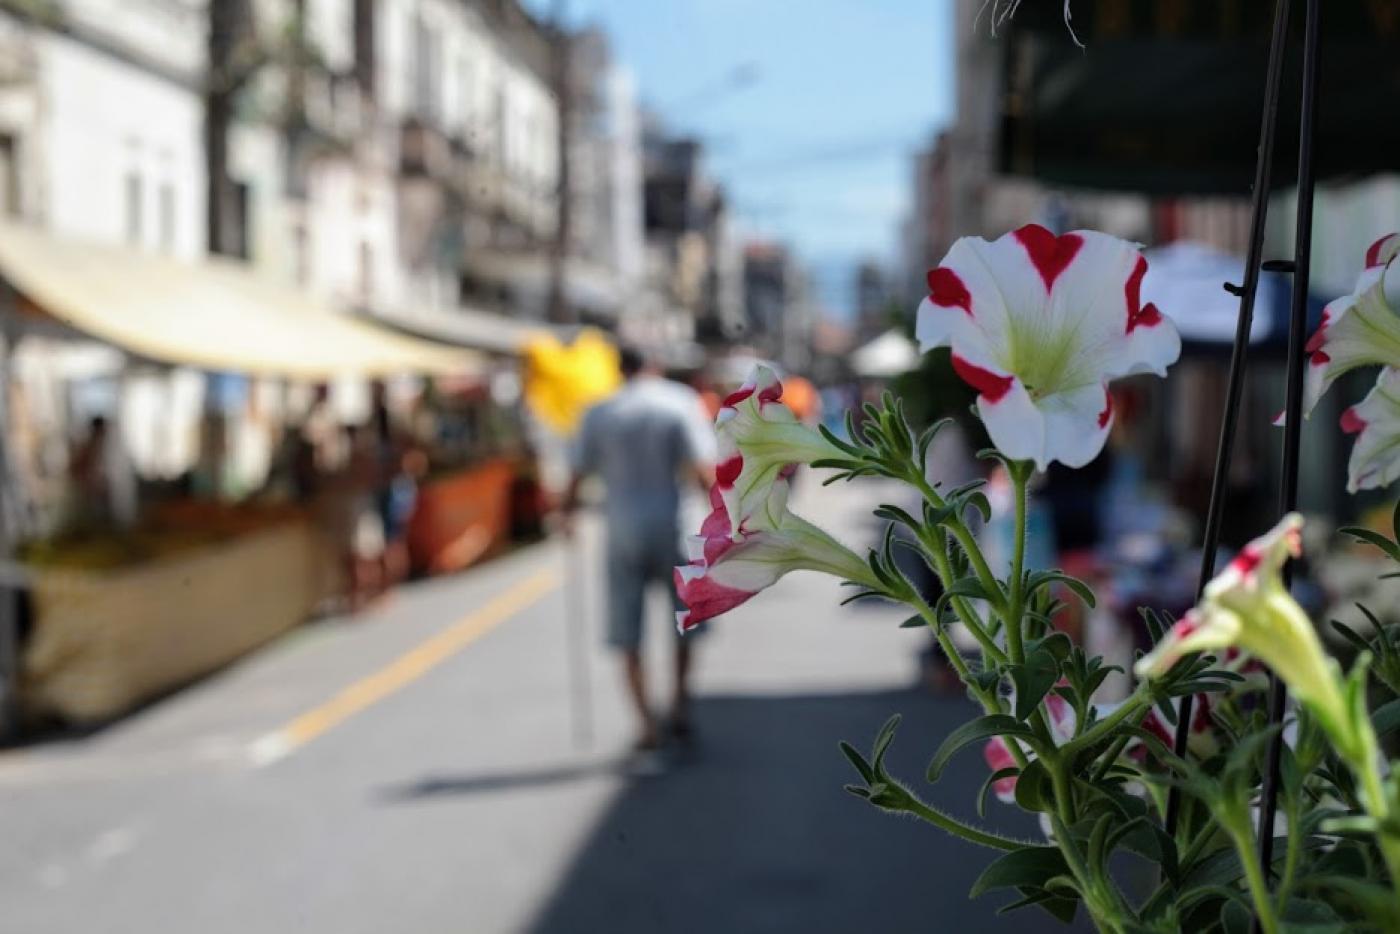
(561, 60)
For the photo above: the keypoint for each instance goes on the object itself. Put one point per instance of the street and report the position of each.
(414, 769)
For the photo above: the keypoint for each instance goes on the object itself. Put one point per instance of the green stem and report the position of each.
(1137, 703)
(1064, 792)
(954, 826)
(1291, 851)
(964, 536)
(1015, 600)
(1193, 852)
(1243, 839)
(1110, 757)
(1106, 917)
(988, 699)
(965, 612)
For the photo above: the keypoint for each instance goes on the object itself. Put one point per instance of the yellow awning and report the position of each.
(214, 314)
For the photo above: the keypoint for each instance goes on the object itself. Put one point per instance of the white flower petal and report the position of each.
(1039, 324)
(1375, 457)
(1360, 329)
(1077, 424)
(1016, 425)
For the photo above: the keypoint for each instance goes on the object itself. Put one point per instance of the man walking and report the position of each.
(645, 441)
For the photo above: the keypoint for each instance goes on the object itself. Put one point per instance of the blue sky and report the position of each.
(816, 150)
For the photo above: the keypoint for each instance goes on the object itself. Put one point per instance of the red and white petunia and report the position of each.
(1247, 607)
(1039, 325)
(1201, 741)
(725, 571)
(1360, 329)
(1375, 420)
(761, 442)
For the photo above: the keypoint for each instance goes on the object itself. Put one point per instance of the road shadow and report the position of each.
(438, 786)
(755, 834)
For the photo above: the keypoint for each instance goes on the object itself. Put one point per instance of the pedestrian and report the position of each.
(647, 441)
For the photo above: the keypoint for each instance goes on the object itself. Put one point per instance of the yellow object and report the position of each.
(562, 382)
(214, 314)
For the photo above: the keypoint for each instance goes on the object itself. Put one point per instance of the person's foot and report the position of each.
(681, 731)
(646, 759)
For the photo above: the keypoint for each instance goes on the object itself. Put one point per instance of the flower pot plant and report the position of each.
(1040, 325)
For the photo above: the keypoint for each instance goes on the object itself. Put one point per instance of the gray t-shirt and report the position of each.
(640, 440)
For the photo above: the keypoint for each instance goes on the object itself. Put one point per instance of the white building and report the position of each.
(101, 123)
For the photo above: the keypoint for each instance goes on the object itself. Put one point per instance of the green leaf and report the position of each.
(998, 775)
(1033, 680)
(967, 587)
(895, 514)
(1031, 867)
(1034, 791)
(882, 742)
(1038, 579)
(1059, 906)
(914, 622)
(979, 502)
(1235, 918)
(1351, 635)
(1148, 840)
(972, 731)
(857, 760)
(1370, 537)
(1308, 916)
(1057, 643)
(926, 438)
(1386, 717)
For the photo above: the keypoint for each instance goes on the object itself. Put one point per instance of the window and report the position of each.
(427, 45)
(366, 271)
(302, 246)
(9, 177)
(133, 206)
(167, 216)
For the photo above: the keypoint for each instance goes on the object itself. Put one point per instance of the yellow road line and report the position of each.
(403, 670)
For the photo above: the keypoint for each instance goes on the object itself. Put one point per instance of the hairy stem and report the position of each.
(956, 827)
(1015, 603)
(1243, 839)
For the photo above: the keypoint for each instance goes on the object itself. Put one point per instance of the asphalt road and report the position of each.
(416, 769)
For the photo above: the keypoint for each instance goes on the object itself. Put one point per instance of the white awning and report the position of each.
(464, 327)
(214, 314)
(888, 355)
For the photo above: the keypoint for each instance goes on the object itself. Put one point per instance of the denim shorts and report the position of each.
(637, 557)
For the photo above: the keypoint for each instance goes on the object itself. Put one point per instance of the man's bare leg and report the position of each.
(680, 701)
(637, 690)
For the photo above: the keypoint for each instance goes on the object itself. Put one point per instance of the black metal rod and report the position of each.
(1293, 400)
(1263, 179)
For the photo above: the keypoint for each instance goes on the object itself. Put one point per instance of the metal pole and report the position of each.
(1263, 178)
(1293, 405)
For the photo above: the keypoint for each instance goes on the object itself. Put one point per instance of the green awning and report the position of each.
(1165, 96)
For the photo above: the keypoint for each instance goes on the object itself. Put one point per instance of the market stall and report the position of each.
(120, 607)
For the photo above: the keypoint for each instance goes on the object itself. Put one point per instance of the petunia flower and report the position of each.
(724, 572)
(1201, 741)
(1247, 607)
(761, 442)
(1360, 329)
(1039, 325)
(1375, 420)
